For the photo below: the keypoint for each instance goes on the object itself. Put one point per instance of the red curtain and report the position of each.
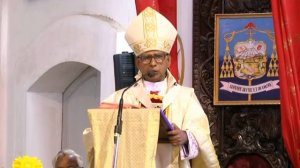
(168, 8)
(287, 33)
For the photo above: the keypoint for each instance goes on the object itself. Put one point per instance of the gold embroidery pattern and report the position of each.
(155, 98)
(150, 28)
(168, 112)
(161, 44)
(152, 41)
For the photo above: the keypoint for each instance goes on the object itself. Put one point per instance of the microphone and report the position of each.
(118, 127)
(151, 73)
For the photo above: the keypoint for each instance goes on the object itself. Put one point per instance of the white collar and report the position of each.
(161, 86)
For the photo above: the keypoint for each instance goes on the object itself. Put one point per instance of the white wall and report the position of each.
(81, 95)
(185, 30)
(42, 34)
(37, 35)
(3, 81)
(43, 125)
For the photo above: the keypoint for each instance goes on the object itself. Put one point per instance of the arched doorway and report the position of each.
(56, 109)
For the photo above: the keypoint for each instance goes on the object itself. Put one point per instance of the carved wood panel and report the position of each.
(234, 129)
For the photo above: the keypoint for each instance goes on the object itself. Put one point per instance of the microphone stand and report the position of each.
(118, 127)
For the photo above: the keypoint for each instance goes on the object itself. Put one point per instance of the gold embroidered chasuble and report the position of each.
(185, 111)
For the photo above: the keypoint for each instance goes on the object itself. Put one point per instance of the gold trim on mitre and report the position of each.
(150, 31)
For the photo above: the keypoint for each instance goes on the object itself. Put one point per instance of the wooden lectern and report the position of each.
(138, 141)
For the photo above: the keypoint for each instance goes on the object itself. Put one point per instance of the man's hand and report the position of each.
(177, 136)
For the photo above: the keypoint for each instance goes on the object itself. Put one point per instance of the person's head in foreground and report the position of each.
(151, 37)
(67, 159)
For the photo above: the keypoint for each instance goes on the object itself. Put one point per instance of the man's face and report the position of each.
(153, 65)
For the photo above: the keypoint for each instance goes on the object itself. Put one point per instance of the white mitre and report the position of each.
(150, 31)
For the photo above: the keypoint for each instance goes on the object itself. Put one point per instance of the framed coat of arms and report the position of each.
(246, 60)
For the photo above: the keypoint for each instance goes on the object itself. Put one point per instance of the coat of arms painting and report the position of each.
(246, 60)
